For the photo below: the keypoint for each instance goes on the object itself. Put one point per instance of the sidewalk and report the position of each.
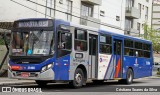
(7, 81)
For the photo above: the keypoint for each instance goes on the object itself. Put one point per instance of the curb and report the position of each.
(17, 83)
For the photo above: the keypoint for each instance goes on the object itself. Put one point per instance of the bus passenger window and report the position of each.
(80, 40)
(106, 44)
(126, 51)
(64, 43)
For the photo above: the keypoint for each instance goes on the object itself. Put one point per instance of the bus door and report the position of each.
(93, 56)
(118, 56)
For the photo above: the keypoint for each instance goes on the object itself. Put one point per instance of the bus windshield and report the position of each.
(31, 43)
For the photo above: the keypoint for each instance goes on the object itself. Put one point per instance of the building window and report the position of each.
(140, 7)
(128, 25)
(146, 13)
(69, 10)
(86, 10)
(138, 27)
(129, 4)
(48, 10)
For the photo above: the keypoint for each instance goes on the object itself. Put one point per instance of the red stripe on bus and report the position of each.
(118, 67)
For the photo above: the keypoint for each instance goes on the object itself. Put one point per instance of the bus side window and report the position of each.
(64, 43)
(106, 44)
(80, 40)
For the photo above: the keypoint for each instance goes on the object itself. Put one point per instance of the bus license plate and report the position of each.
(25, 74)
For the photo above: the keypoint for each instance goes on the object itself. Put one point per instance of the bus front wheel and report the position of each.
(78, 79)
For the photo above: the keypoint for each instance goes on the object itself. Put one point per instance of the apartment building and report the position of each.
(138, 12)
(156, 15)
(105, 14)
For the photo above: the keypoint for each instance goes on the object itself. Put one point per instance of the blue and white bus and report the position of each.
(53, 50)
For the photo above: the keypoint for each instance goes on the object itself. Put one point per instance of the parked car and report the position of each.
(156, 63)
(156, 66)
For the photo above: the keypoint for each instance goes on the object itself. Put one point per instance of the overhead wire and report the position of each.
(108, 25)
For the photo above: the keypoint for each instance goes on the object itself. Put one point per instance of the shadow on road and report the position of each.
(52, 87)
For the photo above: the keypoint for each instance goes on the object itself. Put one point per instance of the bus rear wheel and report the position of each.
(41, 83)
(78, 79)
(98, 81)
(129, 76)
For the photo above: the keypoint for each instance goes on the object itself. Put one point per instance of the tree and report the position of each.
(152, 35)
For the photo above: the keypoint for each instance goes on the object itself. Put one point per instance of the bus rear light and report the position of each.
(15, 67)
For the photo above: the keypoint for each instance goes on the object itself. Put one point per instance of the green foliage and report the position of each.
(158, 72)
(2, 41)
(152, 35)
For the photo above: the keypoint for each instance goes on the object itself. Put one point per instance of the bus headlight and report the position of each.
(49, 66)
(46, 67)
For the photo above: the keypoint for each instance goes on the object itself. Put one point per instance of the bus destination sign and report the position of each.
(26, 24)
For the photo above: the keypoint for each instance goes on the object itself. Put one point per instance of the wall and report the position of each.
(142, 19)
(112, 9)
(11, 11)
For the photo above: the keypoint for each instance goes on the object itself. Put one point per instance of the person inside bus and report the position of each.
(26, 43)
(79, 46)
(127, 51)
(17, 41)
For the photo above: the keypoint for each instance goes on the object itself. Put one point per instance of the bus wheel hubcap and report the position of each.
(129, 77)
(78, 78)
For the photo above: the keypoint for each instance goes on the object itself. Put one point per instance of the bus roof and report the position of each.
(26, 19)
(91, 28)
(125, 36)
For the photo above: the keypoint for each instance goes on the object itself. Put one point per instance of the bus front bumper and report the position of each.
(47, 75)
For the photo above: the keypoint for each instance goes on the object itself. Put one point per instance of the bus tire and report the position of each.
(122, 81)
(129, 76)
(98, 81)
(41, 83)
(78, 79)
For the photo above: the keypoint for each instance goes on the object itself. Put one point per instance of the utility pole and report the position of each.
(152, 15)
(46, 9)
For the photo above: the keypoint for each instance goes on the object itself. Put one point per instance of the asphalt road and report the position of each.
(94, 89)
(107, 88)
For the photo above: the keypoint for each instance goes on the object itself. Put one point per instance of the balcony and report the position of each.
(93, 2)
(6, 25)
(132, 32)
(90, 21)
(132, 12)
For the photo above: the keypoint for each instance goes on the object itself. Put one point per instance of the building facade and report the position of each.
(138, 13)
(105, 14)
(119, 16)
(156, 15)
